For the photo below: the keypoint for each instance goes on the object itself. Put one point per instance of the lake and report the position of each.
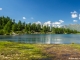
(43, 38)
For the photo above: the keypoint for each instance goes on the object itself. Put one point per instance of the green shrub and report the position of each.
(1, 32)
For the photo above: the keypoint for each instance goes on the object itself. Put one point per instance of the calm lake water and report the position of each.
(43, 38)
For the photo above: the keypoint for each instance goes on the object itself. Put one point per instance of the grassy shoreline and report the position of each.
(20, 51)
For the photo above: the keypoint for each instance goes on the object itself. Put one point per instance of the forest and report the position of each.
(8, 26)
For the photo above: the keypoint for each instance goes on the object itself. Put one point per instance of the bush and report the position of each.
(1, 32)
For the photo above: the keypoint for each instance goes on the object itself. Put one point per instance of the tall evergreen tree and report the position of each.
(14, 27)
(19, 26)
(8, 27)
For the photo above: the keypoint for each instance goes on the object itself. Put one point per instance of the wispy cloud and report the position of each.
(32, 18)
(74, 14)
(61, 21)
(53, 24)
(56, 23)
(59, 26)
(48, 23)
(38, 22)
(75, 21)
(24, 18)
(0, 8)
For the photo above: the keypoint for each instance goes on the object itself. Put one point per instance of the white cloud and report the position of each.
(58, 26)
(32, 18)
(61, 21)
(48, 23)
(75, 21)
(53, 25)
(74, 14)
(0, 8)
(56, 23)
(79, 16)
(38, 22)
(24, 18)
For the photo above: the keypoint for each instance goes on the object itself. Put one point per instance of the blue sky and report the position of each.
(44, 11)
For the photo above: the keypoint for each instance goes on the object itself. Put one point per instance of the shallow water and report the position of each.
(43, 38)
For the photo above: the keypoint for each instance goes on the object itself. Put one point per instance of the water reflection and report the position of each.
(58, 41)
(43, 38)
(47, 39)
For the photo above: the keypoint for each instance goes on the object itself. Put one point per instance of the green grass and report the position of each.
(76, 46)
(20, 51)
(14, 51)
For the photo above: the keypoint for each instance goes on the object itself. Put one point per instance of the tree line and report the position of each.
(9, 26)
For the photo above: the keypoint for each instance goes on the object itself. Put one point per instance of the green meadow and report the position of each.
(20, 51)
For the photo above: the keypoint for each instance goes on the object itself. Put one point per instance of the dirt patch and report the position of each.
(61, 52)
